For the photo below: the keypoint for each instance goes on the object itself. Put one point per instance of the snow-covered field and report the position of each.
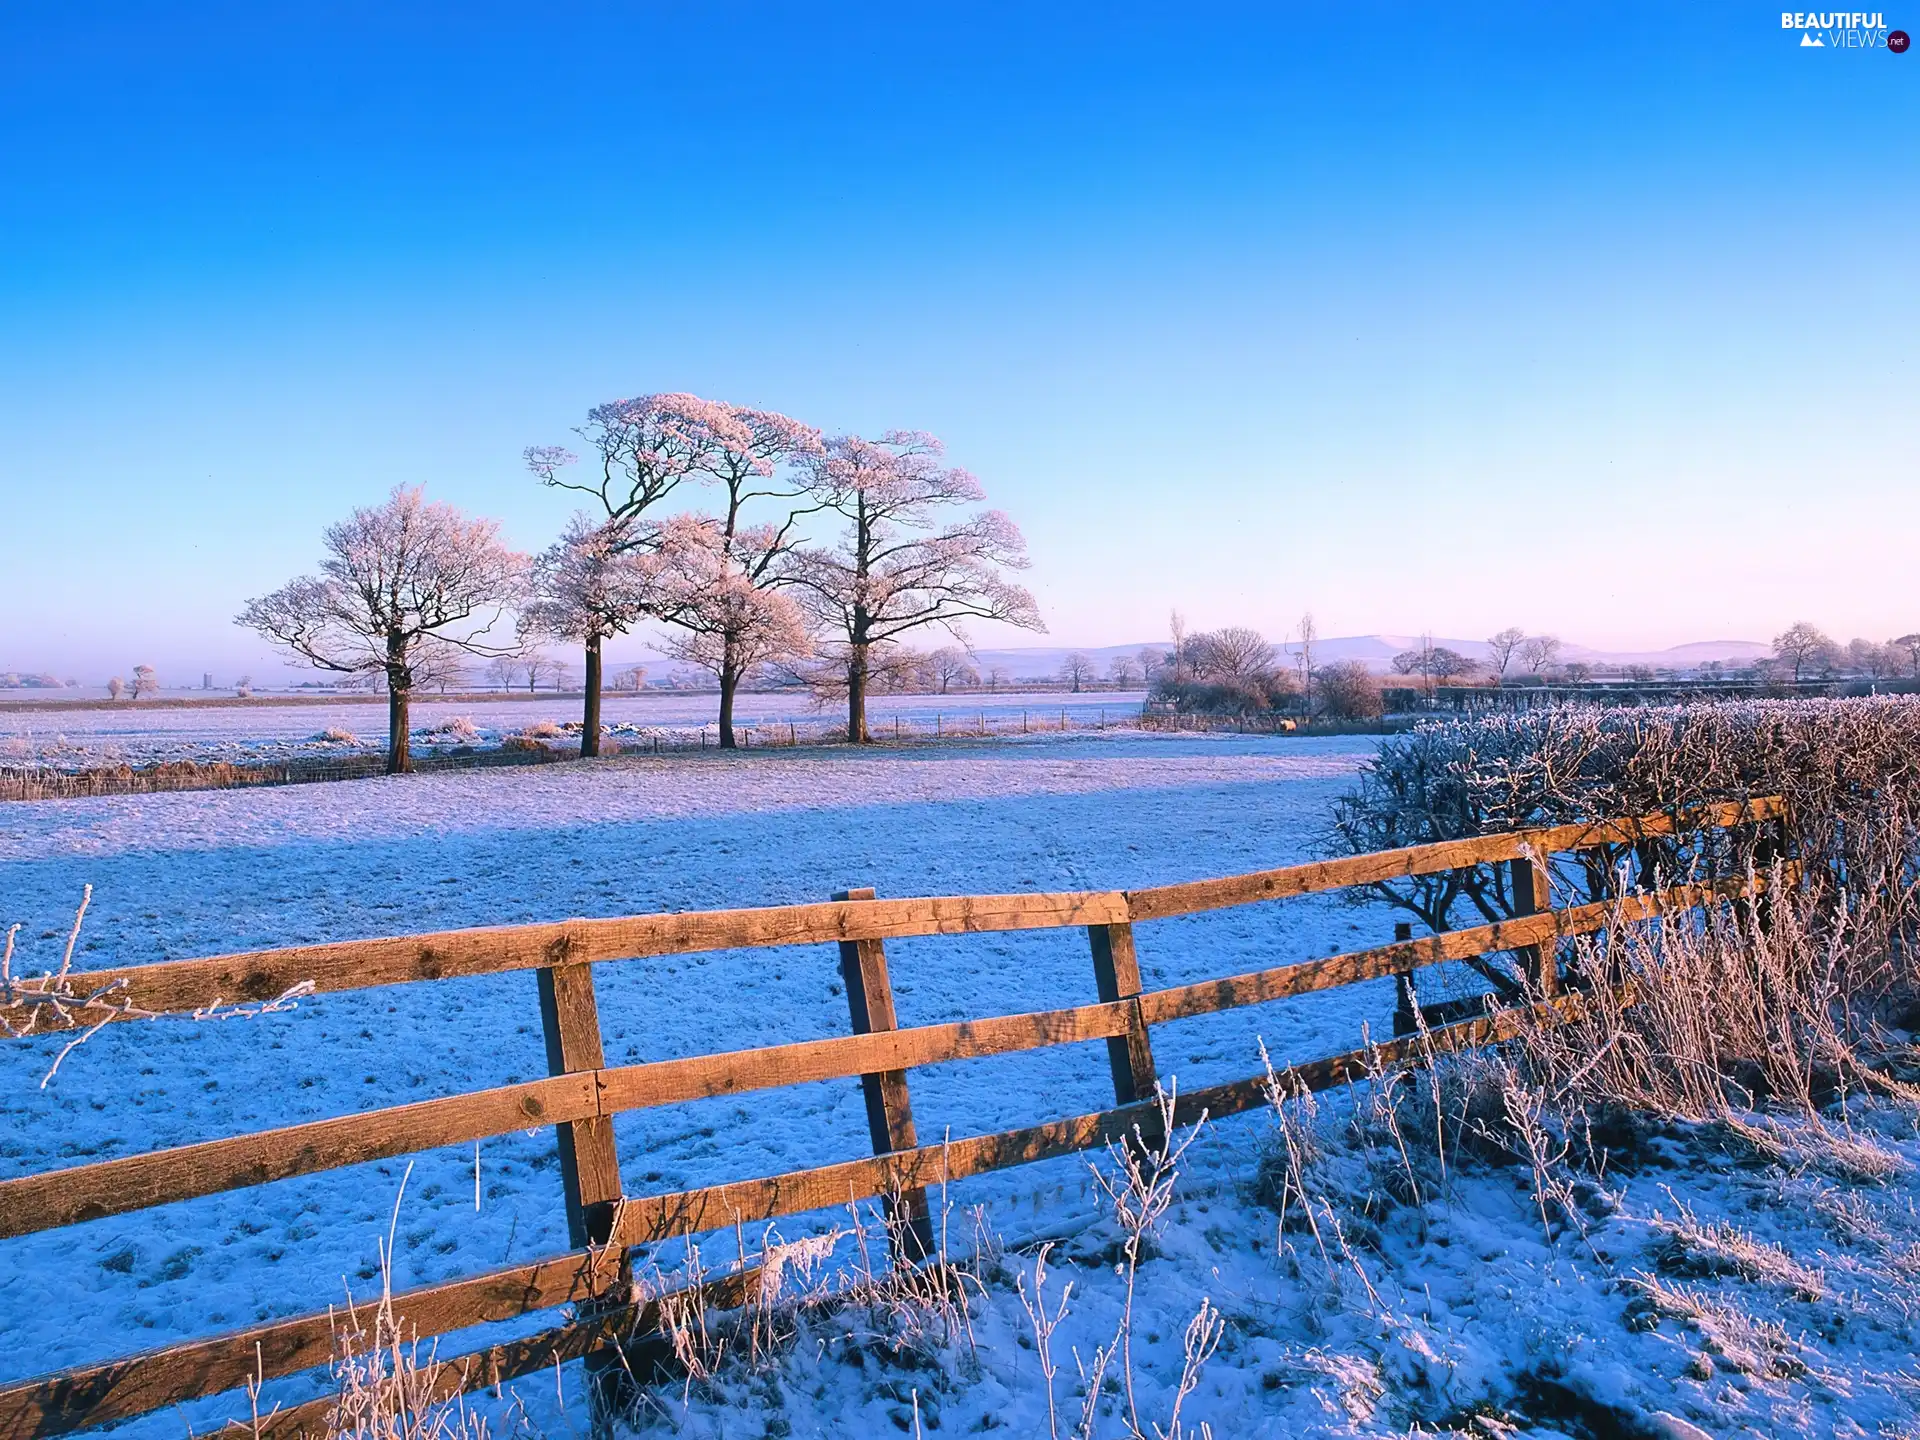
(205, 872)
(1428, 1313)
(143, 734)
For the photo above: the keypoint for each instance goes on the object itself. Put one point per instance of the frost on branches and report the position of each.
(593, 583)
(903, 561)
(401, 581)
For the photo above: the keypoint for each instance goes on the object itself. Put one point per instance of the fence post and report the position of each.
(1116, 974)
(863, 969)
(589, 1165)
(1533, 895)
(1403, 996)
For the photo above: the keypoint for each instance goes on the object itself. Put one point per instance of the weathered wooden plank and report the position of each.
(91, 1395)
(184, 986)
(497, 1364)
(1531, 883)
(863, 971)
(667, 1082)
(133, 1182)
(645, 1219)
(84, 1192)
(589, 1166)
(1284, 981)
(1116, 976)
(1197, 895)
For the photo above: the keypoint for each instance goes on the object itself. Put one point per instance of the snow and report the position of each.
(139, 733)
(1454, 1306)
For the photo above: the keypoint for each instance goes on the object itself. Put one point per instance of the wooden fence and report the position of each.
(582, 1093)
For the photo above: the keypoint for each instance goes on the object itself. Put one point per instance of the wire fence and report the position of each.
(30, 781)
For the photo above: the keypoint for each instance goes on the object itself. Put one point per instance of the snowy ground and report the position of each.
(141, 734)
(1465, 1307)
(205, 872)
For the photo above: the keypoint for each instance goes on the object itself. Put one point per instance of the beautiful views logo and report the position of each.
(1844, 30)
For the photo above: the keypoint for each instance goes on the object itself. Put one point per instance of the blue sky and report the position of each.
(1592, 319)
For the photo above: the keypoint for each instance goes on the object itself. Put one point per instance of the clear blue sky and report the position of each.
(1591, 319)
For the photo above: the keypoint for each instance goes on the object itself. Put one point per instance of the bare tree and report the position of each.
(592, 584)
(1232, 653)
(1177, 632)
(902, 563)
(997, 676)
(395, 575)
(1309, 633)
(1911, 645)
(1872, 659)
(1150, 661)
(1077, 670)
(633, 677)
(116, 687)
(1348, 691)
(438, 666)
(505, 670)
(1503, 647)
(1801, 646)
(1123, 671)
(1539, 651)
(145, 681)
(952, 665)
(1578, 671)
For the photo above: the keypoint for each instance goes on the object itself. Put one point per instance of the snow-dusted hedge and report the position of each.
(1849, 768)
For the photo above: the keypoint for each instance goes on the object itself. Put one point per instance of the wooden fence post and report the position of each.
(863, 969)
(589, 1165)
(1533, 895)
(1404, 1022)
(1116, 972)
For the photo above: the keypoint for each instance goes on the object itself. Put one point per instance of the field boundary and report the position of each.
(582, 1095)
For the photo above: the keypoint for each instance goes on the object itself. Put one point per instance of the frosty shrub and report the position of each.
(1849, 769)
(454, 730)
(1347, 690)
(337, 735)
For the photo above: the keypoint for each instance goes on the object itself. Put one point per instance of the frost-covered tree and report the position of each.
(905, 558)
(1909, 645)
(146, 681)
(1123, 671)
(1539, 651)
(1801, 647)
(1077, 670)
(644, 449)
(726, 570)
(952, 666)
(116, 687)
(727, 624)
(1232, 653)
(587, 587)
(398, 580)
(1503, 647)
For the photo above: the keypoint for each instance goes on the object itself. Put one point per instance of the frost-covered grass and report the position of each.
(136, 734)
(1685, 1292)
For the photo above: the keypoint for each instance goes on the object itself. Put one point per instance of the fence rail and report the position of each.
(583, 1094)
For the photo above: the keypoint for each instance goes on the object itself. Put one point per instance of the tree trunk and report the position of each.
(729, 682)
(399, 753)
(857, 696)
(590, 711)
